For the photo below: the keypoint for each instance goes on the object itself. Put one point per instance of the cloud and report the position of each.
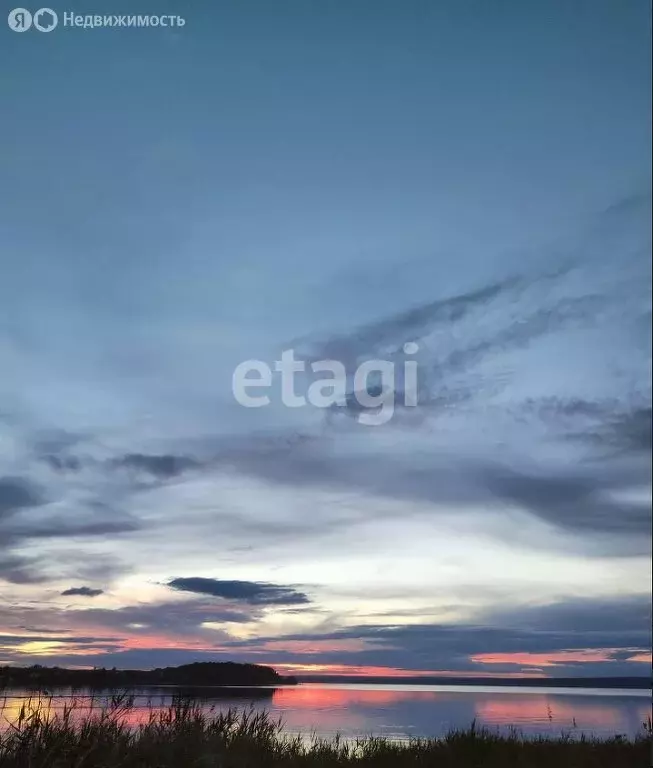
(82, 592)
(18, 569)
(63, 463)
(15, 641)
(160, 466)
(628, 618)
(56, 524)
(581, 630)
(572, 500)
(531, 438)
(166, 619)
(534, 395)
(574, 637)
(404, 326)
(251, 592)
(17, 493)
(628, 431)
(60, 526)
(197, 625)
(584, 497)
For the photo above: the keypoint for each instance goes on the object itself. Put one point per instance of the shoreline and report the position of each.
(184, 735)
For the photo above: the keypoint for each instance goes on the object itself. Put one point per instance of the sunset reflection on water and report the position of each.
(394, 711)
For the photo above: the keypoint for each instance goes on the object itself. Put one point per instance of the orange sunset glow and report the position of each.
(545, 659)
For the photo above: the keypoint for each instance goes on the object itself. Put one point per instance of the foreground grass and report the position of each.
(185, 737)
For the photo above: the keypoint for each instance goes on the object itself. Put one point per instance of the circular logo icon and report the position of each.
(20, 20)
(45, 20)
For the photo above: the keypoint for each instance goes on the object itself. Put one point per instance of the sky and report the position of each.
(338, 179)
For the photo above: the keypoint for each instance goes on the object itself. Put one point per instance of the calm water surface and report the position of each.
(394, 711)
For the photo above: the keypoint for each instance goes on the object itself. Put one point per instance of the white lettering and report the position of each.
(384, 400)
(335, 386)
(287, 367)
(240, 382)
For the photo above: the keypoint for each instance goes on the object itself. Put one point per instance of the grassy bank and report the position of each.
(185, 737)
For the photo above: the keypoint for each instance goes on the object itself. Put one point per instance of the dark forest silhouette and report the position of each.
(198, 674)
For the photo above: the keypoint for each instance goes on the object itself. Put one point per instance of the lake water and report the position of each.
(394, 711)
